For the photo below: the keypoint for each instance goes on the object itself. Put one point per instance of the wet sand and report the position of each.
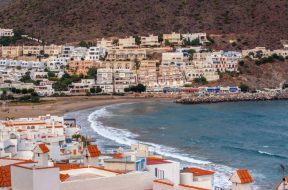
(62, 105)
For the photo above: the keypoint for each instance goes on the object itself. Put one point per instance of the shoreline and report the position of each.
(62, 105)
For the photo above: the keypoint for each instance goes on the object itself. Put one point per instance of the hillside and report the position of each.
(269, 75)
(254, 22)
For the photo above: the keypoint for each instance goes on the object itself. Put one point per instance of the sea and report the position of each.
(220, 137)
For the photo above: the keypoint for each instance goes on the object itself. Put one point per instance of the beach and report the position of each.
(62, 105)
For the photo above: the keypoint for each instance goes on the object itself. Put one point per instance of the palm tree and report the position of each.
(137, 65)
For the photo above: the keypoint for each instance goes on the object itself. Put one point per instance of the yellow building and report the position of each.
(11, 51)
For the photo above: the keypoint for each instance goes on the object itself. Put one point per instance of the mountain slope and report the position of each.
(259, 22)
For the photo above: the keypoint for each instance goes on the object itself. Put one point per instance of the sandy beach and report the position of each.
(62, 105)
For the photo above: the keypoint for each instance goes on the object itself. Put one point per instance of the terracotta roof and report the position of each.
(64, 167)
(192, 187)
(93, 151)
(155, 161)
(5, 172)
(43, 148)
(198, 171)
(118, 156)
(63, 177)
(5, 176)
(244, 176)
(11, 124)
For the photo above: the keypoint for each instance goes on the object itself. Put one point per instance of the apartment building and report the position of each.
(173, 58)
(150, 41)
(128, 42)
(173, 38)
(6, 32)
(44, 88)
(225, 60)
(11, 52)
(193, 36)
(81, 87)
(105, 43)
(117, 65)
(201, 66)
(170, 76)
(259, 52)
(95, 53)
(79, 67)
(147, 74)
(126, 54)
(51, 50)
(115, 80)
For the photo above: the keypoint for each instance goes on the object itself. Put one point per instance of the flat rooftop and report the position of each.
(83, 176)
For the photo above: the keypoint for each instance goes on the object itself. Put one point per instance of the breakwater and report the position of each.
(217, 98)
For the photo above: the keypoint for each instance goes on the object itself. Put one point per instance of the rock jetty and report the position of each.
(217, 98)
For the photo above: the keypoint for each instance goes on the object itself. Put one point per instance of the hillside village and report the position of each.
(52, 150)
(167, 63)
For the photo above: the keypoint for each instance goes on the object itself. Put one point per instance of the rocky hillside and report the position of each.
(251, 23)
(269, 75)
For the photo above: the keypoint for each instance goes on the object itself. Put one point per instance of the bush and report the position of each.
(139, 88)
(241, 63)
(244, 87)
(201, 80)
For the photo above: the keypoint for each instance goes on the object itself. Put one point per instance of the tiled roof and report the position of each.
(155, 161)
(198, 171)
(63, 177)
(5, 172)
(93, 151)
(244, 176)
(5, 176)
(43, 148)
(118, 156)
(64, 167)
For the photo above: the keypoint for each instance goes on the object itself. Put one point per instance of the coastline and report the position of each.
(62, 105)
(243, 97)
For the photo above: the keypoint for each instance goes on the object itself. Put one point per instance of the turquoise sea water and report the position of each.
(221, 137)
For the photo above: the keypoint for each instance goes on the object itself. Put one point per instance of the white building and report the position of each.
(115, 80)
(283, 185)
(150, 41)
(173, 38)
(193, 36)
(6, 32)
(127, 42)
(241, 180)
(95, 53)
(164, 169)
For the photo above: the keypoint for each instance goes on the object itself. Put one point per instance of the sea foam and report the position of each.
(125, 137)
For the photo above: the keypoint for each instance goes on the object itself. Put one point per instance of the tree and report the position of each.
(241, 63)
(191, 53)
(201, 80)
(139, 88)
(92, 90)
(98, 89)
(195, 42)
(137, 40)
(244, 87)
(160, 38)
(92, 72)
(24, 91)
(167, 43)
(83, 44)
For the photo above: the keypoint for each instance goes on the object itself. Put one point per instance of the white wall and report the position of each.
(171, 171)
(131, 181)
(39, 179)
